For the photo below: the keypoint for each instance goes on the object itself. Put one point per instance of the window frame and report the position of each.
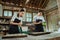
(7, 10)
(18, 11)
(29, 17)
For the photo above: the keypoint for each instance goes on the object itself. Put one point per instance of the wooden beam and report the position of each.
(14, 5)
(44, 3)
(54, 8)
(40, 3)
(34, 3)
(37, 4)
(29, 4)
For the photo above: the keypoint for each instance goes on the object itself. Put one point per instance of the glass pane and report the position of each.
(29, 19)
(10, 13)
(28, 15)
(15, 13)
(5, 13)
(34, 14)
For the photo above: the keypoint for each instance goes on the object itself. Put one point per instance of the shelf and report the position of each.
(5, 17)
(4, 30)
(14, 36)
(4, 23)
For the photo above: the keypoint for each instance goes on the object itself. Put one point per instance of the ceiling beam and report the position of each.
(37, 4)
(40, 3)
(46, 3)
(43, 3)
(4, 4)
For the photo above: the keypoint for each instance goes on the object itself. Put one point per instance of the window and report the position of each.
(7, 13)
(28, 17)
(34, 14)
(15, 13)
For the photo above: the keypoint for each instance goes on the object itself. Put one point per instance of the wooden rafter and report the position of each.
(43, 3)
(40, 3)
(31, 3)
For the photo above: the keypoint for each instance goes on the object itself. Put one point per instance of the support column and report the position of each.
(1, 10)
(58, 4)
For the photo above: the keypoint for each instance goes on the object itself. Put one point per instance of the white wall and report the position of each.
(1, 10)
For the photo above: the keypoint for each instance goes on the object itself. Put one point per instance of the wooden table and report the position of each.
(14, 36)
(52, 36)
